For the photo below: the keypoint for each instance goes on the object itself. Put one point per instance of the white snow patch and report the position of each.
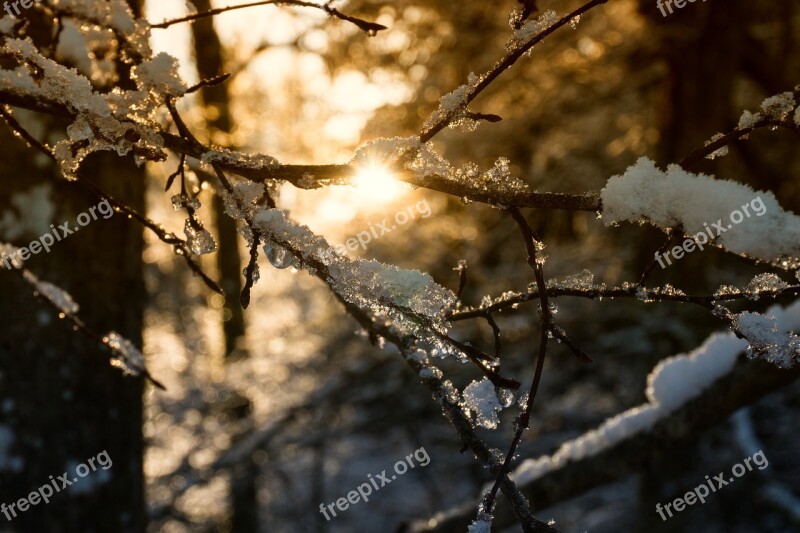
(481, 399)
(778, 106)
(483, 525)
(671, 384)
(32, 215)
(159, 75)
(695, 201)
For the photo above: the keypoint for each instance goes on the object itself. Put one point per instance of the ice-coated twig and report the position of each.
(166, 237)
(124, 354)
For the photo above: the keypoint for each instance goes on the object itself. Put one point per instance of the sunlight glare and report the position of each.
(375, 183)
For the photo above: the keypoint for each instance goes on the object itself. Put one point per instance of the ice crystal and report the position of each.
(481, 399)
(126, 356)
(450, 105)
(726, 290)
(199, 239)
(430, 372)
(179, 201)
(583, 281)
(278, 256)
(482, 525)
(765, 283)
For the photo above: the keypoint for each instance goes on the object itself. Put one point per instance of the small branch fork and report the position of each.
(545, 323)
(370, 28)
(180, 245)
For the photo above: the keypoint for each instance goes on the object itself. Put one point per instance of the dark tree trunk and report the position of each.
(61, 403)
(209, 60)
(61, 400)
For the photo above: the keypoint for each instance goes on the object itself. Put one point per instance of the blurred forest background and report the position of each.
(271, 411)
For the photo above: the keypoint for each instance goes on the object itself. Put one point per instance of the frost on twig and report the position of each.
(767, 339)
(58, 297)
(481, 399)
(126, 356)
(426, 164)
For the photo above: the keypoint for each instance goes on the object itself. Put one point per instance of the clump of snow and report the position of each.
(671, 384)
(482, 525)
(105, 133)
(7, 25)
(696, 202)
(242, 203)
(56, 295)
(230, 157)
(778, 106)
(767, 340)
(369, 284)
(583, 281)
(34, 213)
(53, 81)
(481, 399)
(532, 28)
(453, 106)
(426, 163)
(384, 151)
(430, 372)
(126, 356)
(719, 152)
(115, 15)
(748, 119)
(72, 46)
(797, 116)
(765, 283)
(159, 75)
(375, 283)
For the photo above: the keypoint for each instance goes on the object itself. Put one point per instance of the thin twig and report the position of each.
(168, 238)
(369, 27)
(545, 319)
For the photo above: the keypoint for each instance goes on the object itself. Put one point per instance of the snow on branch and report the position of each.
(676, 198)
(124, 355)
(672, 383)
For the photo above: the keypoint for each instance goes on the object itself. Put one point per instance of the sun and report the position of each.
(375, 183)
